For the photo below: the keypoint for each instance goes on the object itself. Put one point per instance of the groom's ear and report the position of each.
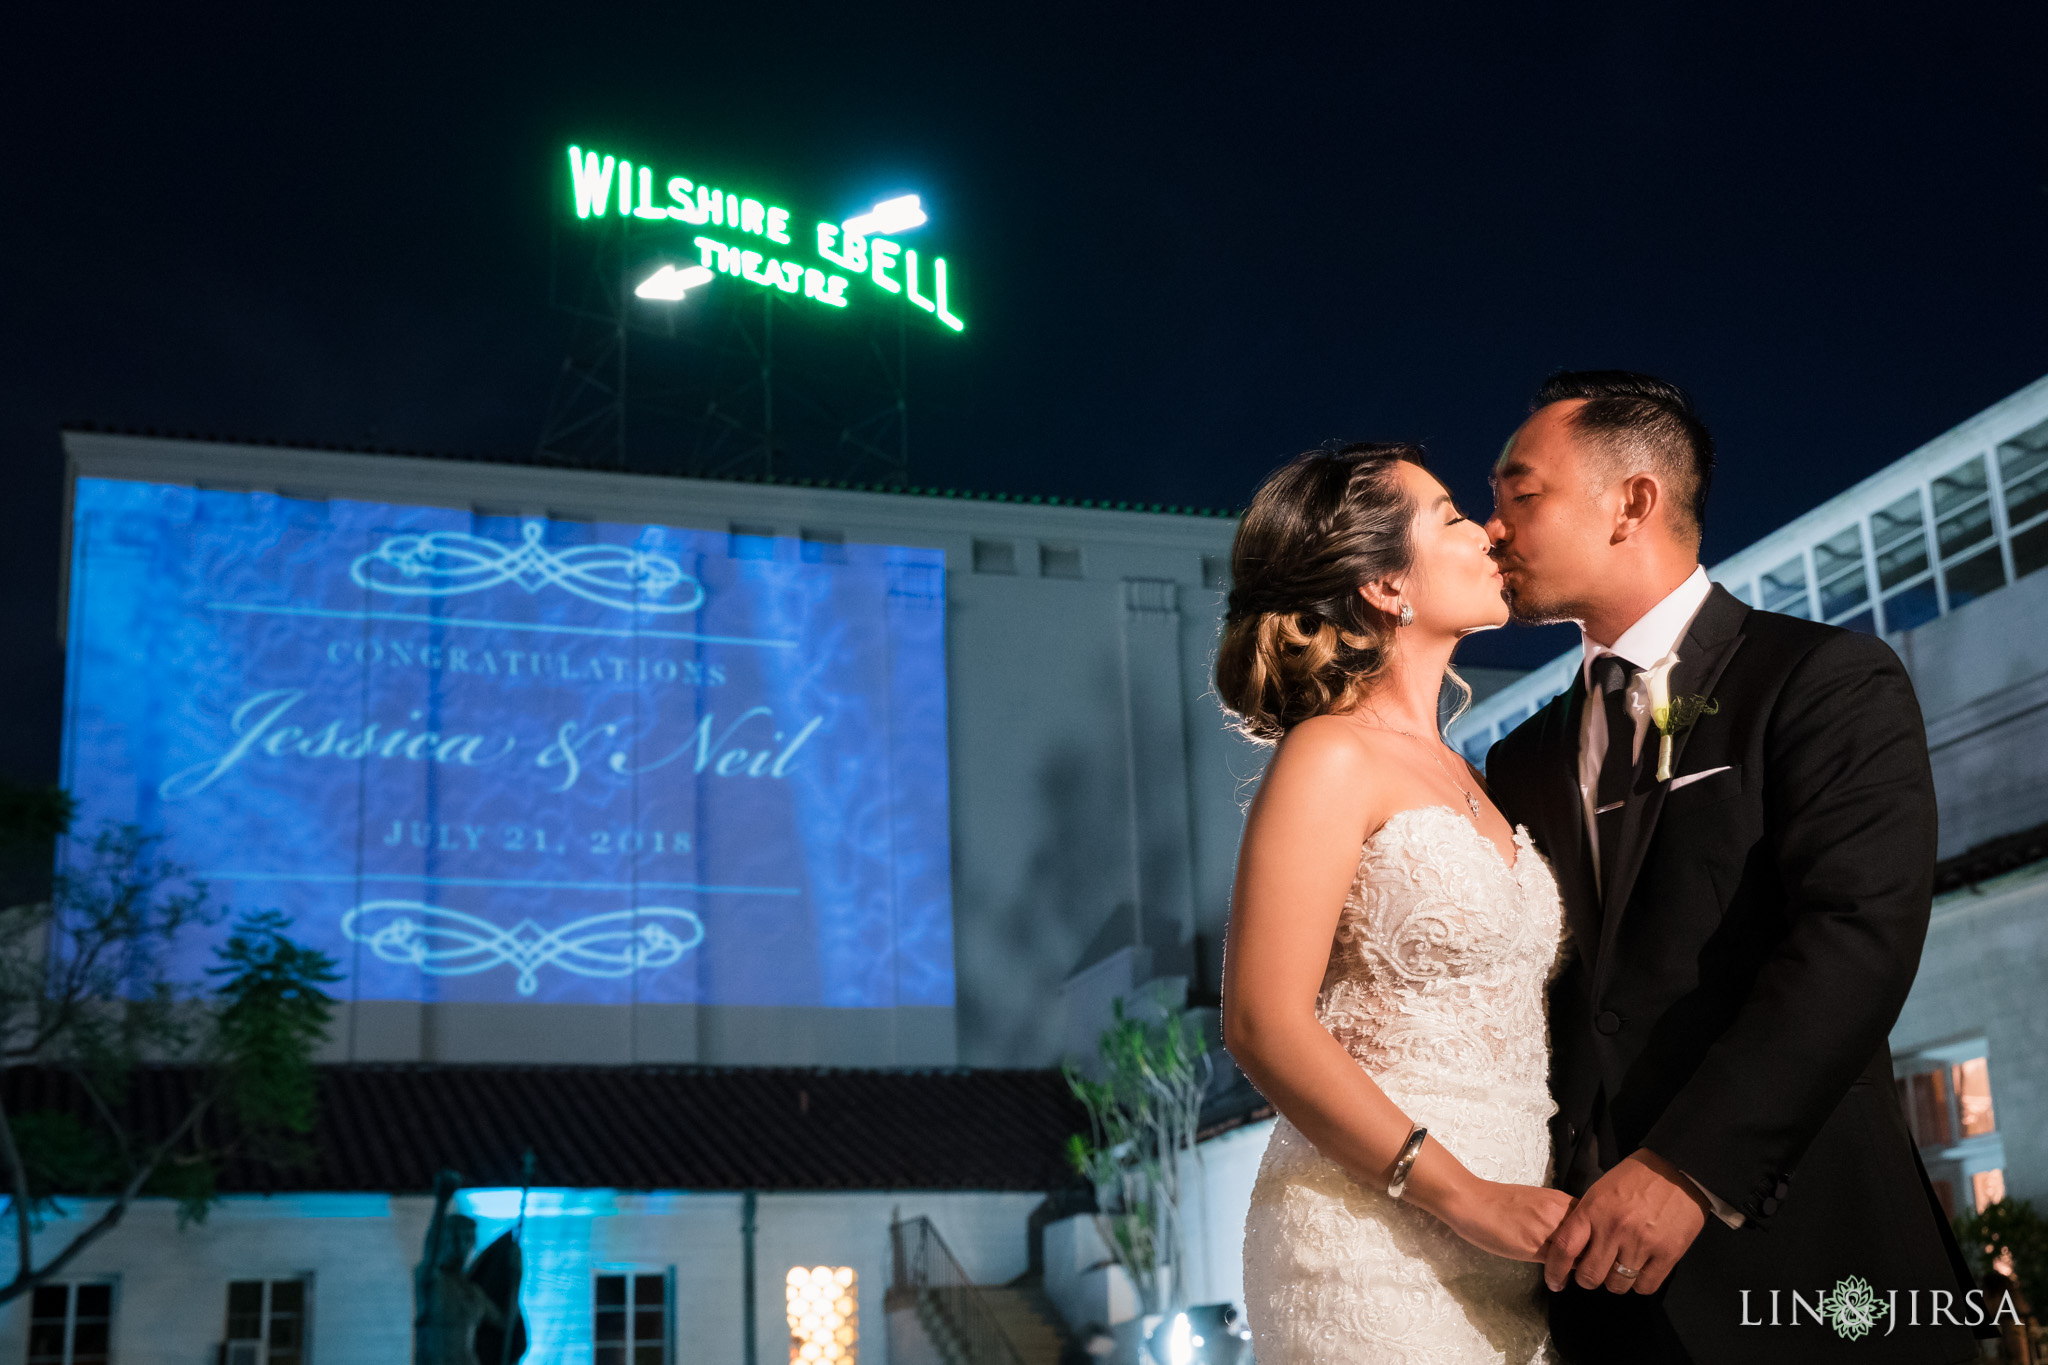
(1641, 505)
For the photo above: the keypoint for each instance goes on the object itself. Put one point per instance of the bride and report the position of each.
(1390, 938)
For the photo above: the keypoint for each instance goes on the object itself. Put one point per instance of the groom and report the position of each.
(1747, 874)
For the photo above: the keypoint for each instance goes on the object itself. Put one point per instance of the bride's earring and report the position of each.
(1407, 615)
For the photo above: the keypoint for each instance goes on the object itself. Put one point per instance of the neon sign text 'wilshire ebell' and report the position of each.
(602, 184)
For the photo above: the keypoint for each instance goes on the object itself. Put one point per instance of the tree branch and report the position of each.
(24, 1229)
(27, 1278)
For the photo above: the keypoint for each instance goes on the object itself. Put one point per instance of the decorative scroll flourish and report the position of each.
(449, 563)
(450, 943)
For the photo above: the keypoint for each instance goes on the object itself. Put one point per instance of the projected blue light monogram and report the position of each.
(484, 758)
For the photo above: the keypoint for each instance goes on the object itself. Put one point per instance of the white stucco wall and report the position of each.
(359, 1251)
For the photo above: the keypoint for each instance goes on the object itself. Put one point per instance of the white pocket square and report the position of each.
(1690, 778)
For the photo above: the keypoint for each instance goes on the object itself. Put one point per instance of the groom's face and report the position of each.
(1550, 526)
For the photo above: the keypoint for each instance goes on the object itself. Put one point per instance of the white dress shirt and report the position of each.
(1654, 638)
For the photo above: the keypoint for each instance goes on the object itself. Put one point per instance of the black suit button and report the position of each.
(1769, 1206)
(1608, 1022)
(1783, 1189)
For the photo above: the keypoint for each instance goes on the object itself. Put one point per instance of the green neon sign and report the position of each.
(751, 239)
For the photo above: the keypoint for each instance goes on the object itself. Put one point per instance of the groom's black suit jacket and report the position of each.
(1726, 1002)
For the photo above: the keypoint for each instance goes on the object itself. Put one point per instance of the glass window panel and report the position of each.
(1959, 486)
(1929, 1109)
(1972, 1082)
(288, 1296)
(1912, 607)
(647, 1290)
(611, 1354)
(1838, 554)
(1901, 562)
(1971, 526)
(647, 1325)
(611, 1324)
(46, 1342)
(647, 1355)
(1838, 563)
(1974, 577)
(1987, 1188)
(50, 1301)
(1865, 621)
(1899, 534)
(1784, 589)
(245, 1310)
(2023, 469)
(1900, 521)
(89, 1338)
(95, 1300)
(611, 1289)
(2030, 549)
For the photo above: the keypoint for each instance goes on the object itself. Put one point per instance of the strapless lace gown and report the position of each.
(1436, 985)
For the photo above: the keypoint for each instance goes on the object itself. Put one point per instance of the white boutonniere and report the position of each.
(1672, 716)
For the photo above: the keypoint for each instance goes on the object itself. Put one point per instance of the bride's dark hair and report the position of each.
(1299, 639)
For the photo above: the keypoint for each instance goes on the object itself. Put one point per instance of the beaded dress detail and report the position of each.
(1436, 986)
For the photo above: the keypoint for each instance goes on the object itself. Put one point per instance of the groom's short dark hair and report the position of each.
(1639, 422)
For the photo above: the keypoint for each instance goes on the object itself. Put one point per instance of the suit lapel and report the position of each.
(1710, 642)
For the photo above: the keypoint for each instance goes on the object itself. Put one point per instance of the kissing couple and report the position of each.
(1583, 1058)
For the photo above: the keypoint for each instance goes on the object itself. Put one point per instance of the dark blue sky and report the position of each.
(1199, 240)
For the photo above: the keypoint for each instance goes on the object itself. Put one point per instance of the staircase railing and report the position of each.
(951, 1307)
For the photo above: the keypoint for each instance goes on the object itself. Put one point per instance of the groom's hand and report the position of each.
(1642, 1215)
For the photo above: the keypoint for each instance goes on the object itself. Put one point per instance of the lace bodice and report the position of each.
(1436, 985)
(1443, 950)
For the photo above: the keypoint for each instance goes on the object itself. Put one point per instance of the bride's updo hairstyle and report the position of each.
(1299, 639)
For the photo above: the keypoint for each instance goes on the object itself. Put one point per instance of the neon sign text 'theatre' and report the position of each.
(822, 265)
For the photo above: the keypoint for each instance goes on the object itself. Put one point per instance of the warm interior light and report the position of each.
(670, 284)
(824, 1315)
(891, 215)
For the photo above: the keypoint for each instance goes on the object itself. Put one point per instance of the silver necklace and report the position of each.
(1471, 801)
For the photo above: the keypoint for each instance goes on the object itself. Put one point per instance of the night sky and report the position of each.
(1191, 241)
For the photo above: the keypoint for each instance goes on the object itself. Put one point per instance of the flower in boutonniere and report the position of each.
(1672, 715)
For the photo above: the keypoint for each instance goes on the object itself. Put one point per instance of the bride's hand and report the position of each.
(1509, 1220)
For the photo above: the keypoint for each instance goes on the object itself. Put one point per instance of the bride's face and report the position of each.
(1454, 585)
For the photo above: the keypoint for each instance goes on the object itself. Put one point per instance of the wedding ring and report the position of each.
(1625, 1272)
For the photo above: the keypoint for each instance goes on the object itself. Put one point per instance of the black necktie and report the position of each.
(1618, 767)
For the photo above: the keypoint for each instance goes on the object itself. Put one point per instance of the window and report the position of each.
(70, 1324)
(1785, 589)
(824, 1315)
(1945, 1091)
(1838, 563)
(2023, 470)
(1970, 557)
(750, 541)
(995, 556)
(632, 1319)
(266, 1323)
(823, 547)
(1059, 561)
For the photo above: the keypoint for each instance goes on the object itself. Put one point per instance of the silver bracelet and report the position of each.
(1405, 1162)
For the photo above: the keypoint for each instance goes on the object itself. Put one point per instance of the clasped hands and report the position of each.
(1641, 1216)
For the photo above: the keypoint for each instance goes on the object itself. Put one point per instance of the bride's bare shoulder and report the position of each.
(1335, 760)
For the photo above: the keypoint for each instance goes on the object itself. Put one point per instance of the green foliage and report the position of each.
(2010, 1225)
(270, 1016)
(87, 986)
(1142, 1119)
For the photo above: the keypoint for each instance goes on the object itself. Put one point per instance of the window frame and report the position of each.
(266, 1313)
(631, 1272)
(71, 1288)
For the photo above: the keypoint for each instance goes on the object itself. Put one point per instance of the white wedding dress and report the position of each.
(1436, 986)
